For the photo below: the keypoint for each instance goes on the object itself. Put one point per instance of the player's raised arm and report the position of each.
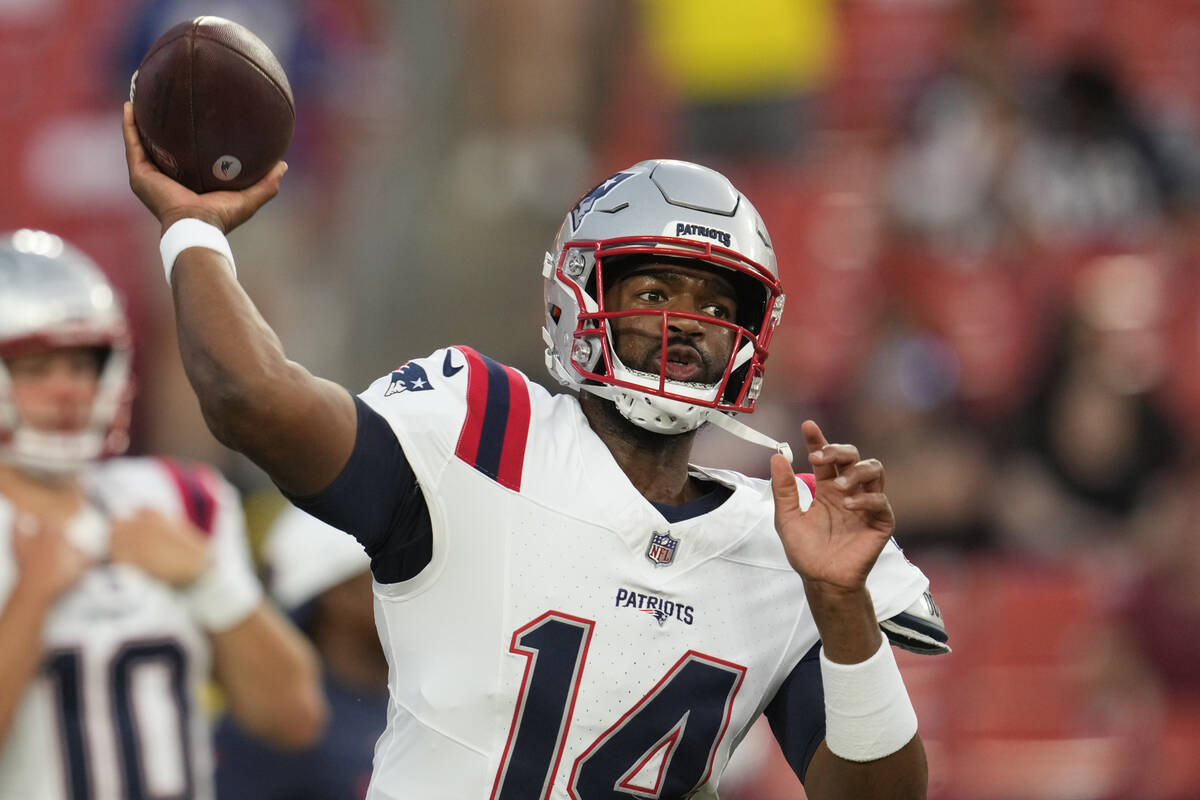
(297, 427)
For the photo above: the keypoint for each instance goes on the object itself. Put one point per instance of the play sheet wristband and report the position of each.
(868, 714)
(190, 232)
(221, 598)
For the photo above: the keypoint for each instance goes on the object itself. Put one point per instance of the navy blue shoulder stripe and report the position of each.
(496, 428)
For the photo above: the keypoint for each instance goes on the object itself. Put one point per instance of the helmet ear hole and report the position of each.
(555, 312)
(585, 352)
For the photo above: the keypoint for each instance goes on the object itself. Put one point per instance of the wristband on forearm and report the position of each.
(190, 232)
(868, 714)
(220, 599)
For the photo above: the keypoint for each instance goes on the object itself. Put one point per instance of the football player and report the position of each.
(570, 608)
(124, 582)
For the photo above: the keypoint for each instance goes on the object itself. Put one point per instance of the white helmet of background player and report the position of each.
(661, 210)
(52, 295)
(306, 557)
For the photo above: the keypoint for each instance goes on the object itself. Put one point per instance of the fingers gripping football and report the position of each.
(170, 201)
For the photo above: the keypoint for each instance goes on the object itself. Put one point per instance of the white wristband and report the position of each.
(220, 599)
(868, 714)
(190, 232)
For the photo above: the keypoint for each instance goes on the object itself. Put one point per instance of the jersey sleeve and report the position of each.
(797, 713)
(457, 403)
(900, 591)
(919, 628)
(453, 404)
(904, 605)
(376, 499)
(895, 582)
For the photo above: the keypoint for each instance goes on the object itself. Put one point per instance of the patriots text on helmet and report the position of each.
(716, 234)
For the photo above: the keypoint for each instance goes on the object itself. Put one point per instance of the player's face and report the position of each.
(696, 351)
(54, 389)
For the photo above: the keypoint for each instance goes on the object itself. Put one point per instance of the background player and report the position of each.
(568, 607)
(125, 582)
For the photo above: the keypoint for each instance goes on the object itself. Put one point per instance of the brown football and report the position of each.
(213, 105)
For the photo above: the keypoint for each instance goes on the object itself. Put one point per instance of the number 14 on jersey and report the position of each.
(663, 747)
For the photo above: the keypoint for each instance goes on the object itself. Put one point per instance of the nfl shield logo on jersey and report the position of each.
(661, 551)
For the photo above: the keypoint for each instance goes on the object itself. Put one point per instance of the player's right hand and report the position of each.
(172, 550)
(47, 563)
(170, 201)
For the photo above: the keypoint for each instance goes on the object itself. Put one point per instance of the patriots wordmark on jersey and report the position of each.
(115, 711)
(568, 638)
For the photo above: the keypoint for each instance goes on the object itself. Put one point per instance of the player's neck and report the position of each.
(656, 464)
(48, 499)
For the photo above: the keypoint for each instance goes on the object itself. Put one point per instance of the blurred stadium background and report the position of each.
(986, 218)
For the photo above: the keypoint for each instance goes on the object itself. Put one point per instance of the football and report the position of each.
(213, 105)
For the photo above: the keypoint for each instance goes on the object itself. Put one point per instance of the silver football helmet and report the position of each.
(661, 210)
(52, 295)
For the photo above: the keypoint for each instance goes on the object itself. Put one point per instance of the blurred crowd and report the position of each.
(986, 216)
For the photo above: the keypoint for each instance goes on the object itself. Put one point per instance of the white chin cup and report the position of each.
(661, 415)
(52, 454)
(658, 414)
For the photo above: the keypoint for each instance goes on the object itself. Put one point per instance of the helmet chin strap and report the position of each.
(740, 429)
(726, 422)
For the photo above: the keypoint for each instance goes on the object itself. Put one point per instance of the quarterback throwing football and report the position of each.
(571, 609)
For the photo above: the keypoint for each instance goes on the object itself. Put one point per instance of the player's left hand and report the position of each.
(172, 550)
(833, 544)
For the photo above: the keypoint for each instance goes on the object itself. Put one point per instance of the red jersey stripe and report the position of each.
(199, 500)
(477, 392)
(516, 432)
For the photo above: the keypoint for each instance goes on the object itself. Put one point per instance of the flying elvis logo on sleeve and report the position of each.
(408, 377)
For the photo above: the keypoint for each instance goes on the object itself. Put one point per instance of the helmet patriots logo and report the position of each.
(408, 377)
(588, 201)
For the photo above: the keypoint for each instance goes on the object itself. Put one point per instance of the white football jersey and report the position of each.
(567, 640)
(115, 712)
